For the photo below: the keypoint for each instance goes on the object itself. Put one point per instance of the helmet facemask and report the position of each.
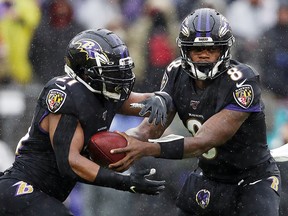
(205, 27)
(205, 70)
(113, 82)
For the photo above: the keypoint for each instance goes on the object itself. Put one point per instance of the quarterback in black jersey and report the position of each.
(53, 155)
(219, 101)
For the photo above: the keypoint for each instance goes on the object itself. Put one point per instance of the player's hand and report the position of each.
(136, 182)
(135, 150)
(158, 106)
(140, 184)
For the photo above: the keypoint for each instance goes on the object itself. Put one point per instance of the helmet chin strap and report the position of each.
(198, 74)
(69, 71)
(111, 95)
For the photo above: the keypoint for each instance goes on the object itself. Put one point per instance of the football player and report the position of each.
(53, 155)
(219, 101)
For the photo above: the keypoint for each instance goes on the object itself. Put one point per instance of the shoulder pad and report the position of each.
(244, 86)
(171, 72)
(242, 71)
(174, 65)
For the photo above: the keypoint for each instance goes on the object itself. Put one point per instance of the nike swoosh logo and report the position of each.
(132, 188)
(60, 86)
(238, 85)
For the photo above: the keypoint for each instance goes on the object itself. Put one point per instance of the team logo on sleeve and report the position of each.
(244, 96)
(55, 99)
(203, 198)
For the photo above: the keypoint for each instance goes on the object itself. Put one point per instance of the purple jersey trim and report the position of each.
(234, 107)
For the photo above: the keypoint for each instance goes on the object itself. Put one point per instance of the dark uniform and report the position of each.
(35, 169)
(241, 171)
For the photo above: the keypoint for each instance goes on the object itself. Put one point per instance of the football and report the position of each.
(101, 143)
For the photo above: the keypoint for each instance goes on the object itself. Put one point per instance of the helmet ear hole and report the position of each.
(83, 73)
(91, 72)
(83, 70)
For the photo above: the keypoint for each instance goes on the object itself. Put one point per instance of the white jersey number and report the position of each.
(193, 125)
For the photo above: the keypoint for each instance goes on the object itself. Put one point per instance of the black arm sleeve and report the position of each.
(61, 142)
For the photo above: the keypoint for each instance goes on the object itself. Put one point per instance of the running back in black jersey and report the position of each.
(237, 89)
(35, 159)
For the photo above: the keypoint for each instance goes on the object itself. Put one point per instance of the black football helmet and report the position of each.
(205, 27)
(100, 60)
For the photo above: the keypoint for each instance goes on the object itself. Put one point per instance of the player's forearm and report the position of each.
(215, 132)
(194, 147)
(134, 97)
(146, 131)
(83, 167)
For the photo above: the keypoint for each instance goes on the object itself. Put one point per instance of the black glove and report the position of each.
(158, 106)
(134, 183)
(140, 184)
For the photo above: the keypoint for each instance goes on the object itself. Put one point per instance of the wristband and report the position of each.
(171, 146)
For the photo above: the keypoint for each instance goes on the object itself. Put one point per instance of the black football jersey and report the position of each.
(237, 89)
(35, 160)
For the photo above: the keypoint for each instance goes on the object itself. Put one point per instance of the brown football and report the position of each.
(101, 143)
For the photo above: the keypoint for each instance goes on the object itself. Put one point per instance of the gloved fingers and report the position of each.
(158, 184)
(156, 191)
(161, 100)
(153, 115)
(160, 188)
(158, 119)
(140, 184)
(151, 172)
(144, 172)
(145, 110)
(144, 105)
(156, 187)
(161, 114)
(163, 119)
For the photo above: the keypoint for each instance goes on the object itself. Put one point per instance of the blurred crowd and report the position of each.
(33, 38)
